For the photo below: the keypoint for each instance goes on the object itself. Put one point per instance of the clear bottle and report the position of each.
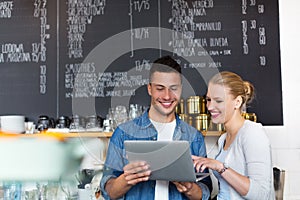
(12, 191)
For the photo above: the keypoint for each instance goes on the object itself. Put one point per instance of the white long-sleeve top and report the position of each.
(250, 155)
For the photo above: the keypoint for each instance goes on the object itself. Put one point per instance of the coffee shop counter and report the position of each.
(48, 162)
(94, 134)
(102, 134)
(63, 135)
(44, 158)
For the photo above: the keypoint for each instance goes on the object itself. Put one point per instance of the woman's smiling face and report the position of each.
(220, 103)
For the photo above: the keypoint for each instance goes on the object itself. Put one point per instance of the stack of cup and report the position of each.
(12, 123)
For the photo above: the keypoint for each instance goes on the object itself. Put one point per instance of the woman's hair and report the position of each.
(236, 85)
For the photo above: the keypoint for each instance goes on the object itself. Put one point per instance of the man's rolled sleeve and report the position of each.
(107, 175)
(205, 191)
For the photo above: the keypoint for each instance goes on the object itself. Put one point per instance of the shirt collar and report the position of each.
(145, 122)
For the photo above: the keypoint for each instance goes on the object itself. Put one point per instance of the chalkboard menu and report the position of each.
(84, 56)
(28, 68)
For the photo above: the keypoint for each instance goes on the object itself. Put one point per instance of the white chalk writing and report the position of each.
(80, 14)
(6, 9)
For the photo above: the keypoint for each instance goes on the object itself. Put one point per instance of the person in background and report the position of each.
(243, 165)
(125, 180)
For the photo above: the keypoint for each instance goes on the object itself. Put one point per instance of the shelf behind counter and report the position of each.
(88, 134)
(98, 134)
(109, 134)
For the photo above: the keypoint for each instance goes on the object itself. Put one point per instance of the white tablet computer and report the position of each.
(168, 160)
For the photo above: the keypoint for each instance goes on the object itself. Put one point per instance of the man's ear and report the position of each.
(149, 89)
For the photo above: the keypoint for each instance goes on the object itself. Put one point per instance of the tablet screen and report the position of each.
(168, 160)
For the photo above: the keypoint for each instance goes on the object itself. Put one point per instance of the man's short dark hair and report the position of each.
(165, 64)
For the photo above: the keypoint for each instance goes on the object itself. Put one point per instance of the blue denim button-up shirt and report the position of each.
(141, 128)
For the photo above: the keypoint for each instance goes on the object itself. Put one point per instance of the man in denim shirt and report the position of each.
(124, 180)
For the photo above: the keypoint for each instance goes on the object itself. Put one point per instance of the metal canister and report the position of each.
(202, 122)
(220, 127)
(203, 109)
(250, 116)
(190, 121)
(180, 108)
(193, 105)
(216, 127)
(184, 117)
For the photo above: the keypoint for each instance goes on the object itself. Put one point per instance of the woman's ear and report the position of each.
(238, 102)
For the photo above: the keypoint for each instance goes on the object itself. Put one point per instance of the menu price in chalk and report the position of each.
(220, 30)
(28, 56)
